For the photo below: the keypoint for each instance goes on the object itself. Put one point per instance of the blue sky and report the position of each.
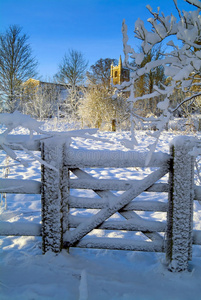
(90, 26)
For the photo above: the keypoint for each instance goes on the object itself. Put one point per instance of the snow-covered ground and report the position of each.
(83, 274)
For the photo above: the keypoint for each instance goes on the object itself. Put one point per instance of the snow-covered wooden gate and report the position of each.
(60, 229)
(63, 230)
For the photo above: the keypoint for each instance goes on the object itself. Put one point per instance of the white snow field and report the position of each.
(86, 274)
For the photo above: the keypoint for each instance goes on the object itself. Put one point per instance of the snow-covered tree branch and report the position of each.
(29, 143)
(196, 3)
(181, 60)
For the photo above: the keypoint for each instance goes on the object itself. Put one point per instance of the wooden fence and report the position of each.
(66, 168)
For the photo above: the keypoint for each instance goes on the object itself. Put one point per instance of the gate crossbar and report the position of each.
(115, 204)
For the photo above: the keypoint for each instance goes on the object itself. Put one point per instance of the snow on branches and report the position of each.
(28, 143)
(194, 2)
(181, 63)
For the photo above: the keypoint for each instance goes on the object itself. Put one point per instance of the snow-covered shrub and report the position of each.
(184, 124)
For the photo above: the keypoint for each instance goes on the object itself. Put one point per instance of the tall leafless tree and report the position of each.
(99, 73)
(72, 68)
(17, 64)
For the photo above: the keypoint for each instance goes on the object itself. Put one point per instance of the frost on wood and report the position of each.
(115, 204)
(120, 244)
(180, 211)
(20, 186)
(54, 194)
(20, 229)
(108, 158)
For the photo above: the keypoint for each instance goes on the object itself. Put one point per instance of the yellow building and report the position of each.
(30, 87)
(118, 74)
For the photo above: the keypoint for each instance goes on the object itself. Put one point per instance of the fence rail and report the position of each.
(20, 186)
(24, 186)
(113, 159)
(18, 142)
(35, 229)
(60, 229)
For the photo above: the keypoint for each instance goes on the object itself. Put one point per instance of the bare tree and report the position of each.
(72, 68)
(40, 99)
(70, 105)
(16, 64)
(100, 72)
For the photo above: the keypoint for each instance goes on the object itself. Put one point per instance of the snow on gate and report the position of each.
(61, 229)
(70, 231)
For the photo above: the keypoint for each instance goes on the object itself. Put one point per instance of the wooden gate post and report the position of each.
(180, 204)
(54, 194)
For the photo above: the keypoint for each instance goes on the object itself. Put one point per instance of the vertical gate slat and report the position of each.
(54, 194)
(180, 202)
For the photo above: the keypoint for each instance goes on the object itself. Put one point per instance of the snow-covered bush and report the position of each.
(184, 124)
(98, 109)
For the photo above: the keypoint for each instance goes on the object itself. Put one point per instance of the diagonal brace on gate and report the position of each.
(72, 237)
(107, 194)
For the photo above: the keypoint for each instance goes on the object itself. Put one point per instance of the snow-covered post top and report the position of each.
(180, 210)
(54, 193)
